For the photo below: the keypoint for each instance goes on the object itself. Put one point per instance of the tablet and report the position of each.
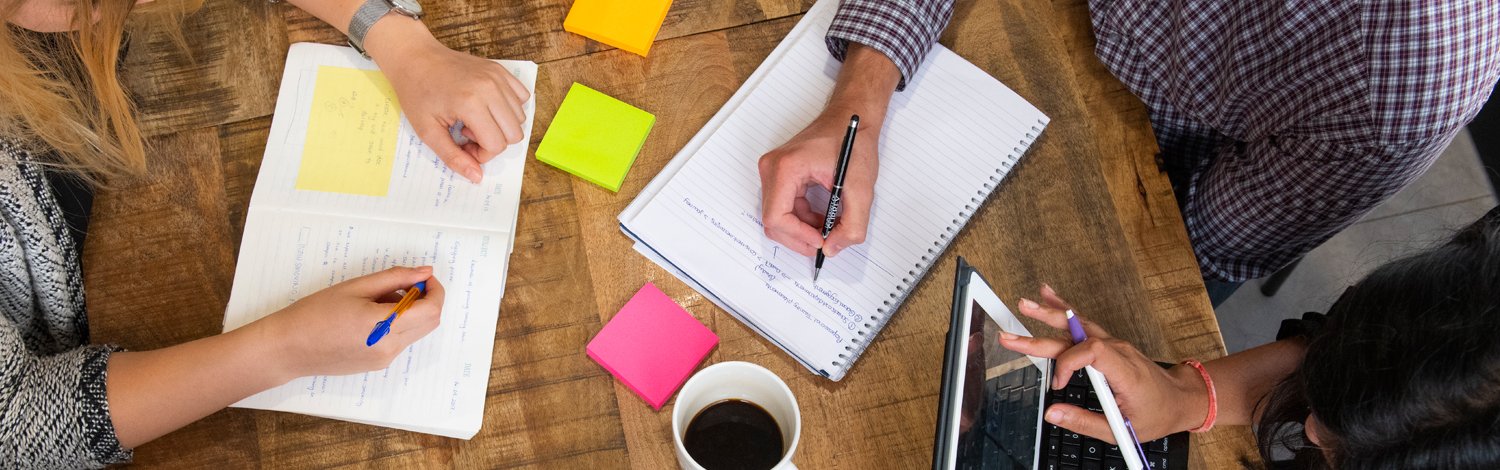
(992, 398)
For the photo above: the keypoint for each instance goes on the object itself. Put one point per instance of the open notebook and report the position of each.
(950, 138)
(346, 189)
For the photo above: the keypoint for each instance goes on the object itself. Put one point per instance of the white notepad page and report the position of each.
(299, 241)
(948, 140)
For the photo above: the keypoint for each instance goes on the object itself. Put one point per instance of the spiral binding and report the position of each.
(875, 323)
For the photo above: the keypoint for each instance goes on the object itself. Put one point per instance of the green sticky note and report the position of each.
(595, 137)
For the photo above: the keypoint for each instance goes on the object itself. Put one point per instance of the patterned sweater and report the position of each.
(53, 409)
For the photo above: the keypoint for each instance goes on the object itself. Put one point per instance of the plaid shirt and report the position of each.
(1292, 119)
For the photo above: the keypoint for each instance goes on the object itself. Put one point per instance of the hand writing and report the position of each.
(324, 333)
(811, 158)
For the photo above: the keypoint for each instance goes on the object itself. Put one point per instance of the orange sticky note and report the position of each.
(652, 345)
(630, 25)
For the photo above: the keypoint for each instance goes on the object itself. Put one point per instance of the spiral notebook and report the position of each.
(949, 140)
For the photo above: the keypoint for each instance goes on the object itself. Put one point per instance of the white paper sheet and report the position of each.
(948, 140)
(298, 241)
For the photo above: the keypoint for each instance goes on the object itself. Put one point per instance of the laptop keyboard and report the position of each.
(1066, 450)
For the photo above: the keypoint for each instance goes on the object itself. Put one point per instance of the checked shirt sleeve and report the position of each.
(903, 30)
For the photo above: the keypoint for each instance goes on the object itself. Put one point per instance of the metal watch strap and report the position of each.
(365, 18)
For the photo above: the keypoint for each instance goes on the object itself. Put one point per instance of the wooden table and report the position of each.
(1088, 211)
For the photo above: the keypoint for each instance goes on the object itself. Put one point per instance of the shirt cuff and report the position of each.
(99, 429)
(902, 30)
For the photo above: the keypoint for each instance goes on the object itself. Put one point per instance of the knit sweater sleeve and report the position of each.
(53, 409)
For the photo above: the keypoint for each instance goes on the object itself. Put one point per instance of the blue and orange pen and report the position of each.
(407, 299)
(1119, 426)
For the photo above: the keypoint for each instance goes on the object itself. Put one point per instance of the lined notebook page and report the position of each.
(948, 140)
(298, 241)
(420, 187)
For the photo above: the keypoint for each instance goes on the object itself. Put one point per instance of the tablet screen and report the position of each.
(1000, 400)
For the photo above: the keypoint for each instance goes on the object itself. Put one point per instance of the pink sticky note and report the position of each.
(652, 345)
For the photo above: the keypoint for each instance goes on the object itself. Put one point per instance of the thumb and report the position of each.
(1081, 421)
(440, 139)
(373, 286)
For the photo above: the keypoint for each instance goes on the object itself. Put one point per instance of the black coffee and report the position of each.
(733, 435)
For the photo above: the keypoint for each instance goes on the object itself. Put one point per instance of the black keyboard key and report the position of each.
(1093, 449)
(1053, 446)
(1070, 437)
(1053, 430)
(1079, 378)
(1157, 461)
(1112, 452)
(1093, 402)
(1090, 465)
(1069, 454)
(1113, 464)
(1076, 394)
(1159, 445)
(1049, 463)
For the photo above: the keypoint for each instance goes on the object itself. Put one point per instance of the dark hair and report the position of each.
(1405, 374)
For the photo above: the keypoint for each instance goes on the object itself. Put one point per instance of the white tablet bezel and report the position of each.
(978, 291)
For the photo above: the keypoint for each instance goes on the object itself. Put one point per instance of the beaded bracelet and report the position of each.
(1213, 397)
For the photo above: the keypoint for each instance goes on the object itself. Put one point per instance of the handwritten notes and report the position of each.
(352, 132)
(947, 143)
(367, 215)
(436, 385)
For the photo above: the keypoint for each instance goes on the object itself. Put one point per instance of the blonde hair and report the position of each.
(61, 90)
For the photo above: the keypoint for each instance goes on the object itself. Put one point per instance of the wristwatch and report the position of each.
(371, 12)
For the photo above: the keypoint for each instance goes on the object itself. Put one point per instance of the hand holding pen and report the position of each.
(1157, 401)
(408, 297)
(809, 159)
(836, 195)
(325, 333)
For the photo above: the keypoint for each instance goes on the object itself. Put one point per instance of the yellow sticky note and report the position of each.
(351, 133)
(595, 137)
(630, 25)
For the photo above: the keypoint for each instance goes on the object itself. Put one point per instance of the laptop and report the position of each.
(991, 402)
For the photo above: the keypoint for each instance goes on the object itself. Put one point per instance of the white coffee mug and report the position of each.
(738, 381)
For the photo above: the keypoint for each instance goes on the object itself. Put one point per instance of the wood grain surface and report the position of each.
(1087, 211)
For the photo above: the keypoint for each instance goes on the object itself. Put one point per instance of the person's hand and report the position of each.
(324, 333)
(438, 87)
(864, 87)
(1157, 401)
(811, 158)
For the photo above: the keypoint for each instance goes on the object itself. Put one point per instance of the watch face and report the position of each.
(407, 7)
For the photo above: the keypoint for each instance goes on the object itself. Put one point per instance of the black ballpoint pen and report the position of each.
(834, 201)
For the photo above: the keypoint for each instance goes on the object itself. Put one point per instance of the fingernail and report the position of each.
(1006, 335)
(1046, 286)
(473, 175)
(1029, 304)
(1054, 416)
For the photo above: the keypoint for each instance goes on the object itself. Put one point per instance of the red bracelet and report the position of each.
(1213, 397)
